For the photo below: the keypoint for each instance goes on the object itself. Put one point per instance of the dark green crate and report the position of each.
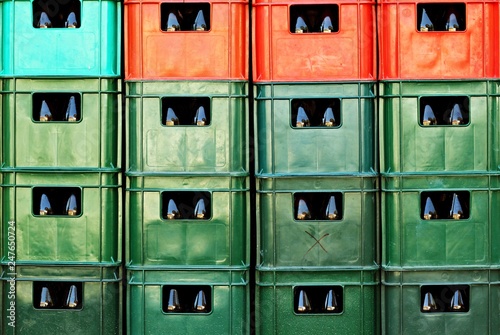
(402, 302)
(221, 147)
(91, 237)
(275, 307)
(408, 147)
(409, 241)
(100, 310)
(284, 241)
(350, 147)
(92, 142)
(229, 300)
(220, 240)
(91, 50)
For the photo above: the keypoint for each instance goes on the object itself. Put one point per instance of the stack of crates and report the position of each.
(187, 188)
(316, 160)
(60, 167)
(439, 105)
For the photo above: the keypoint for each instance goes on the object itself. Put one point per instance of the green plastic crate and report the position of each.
(410, 241)
(220, 240)
(100, 301)
(220, 147)
(276, 309)
(228, 298)
(402, 303)
(284, 241)
(92, 236)
(91, 50)
(94, 141)
(409, 147)
(349, 147)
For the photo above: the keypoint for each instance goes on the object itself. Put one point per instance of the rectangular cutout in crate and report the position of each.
(58, 14)
(57, 201)
(316, 113)
(186, 205)
(445, 298)
(443, 205)
(441, 17)
(444, 110)
(187, 299)
(185, 16)
(318, 206)
(314, 18)
(57, 295)
(318, 299)
(53, 107)
(185, 111)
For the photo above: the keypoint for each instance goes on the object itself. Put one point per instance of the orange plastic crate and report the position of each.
(280, 54)
(220, 52)
(408, 53)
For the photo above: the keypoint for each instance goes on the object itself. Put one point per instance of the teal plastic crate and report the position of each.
(92, 141)
(409, 240)
(227, 308)
(348, 146)
(91, 235)
(99, 297)
(409, 146)
(403, 297)
(349, 240)
(220, 146)
(92, 49)
(221, 238)
(277, 301)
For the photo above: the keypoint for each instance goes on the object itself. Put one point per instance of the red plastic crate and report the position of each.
(220, 53)
(282, 55)
(407, 53)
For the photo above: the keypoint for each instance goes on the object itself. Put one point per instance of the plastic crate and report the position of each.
(403, 297)
(348, 240)
(348, 52)
(220, 146)
(91, 49)
(227, 302)
(408, 53)
(220, 238)
(410, 146)
(91, 141)
(89, 235)
(99, 297)
(219, 52)
(357, 295)
(347, 146)
(412, 237)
